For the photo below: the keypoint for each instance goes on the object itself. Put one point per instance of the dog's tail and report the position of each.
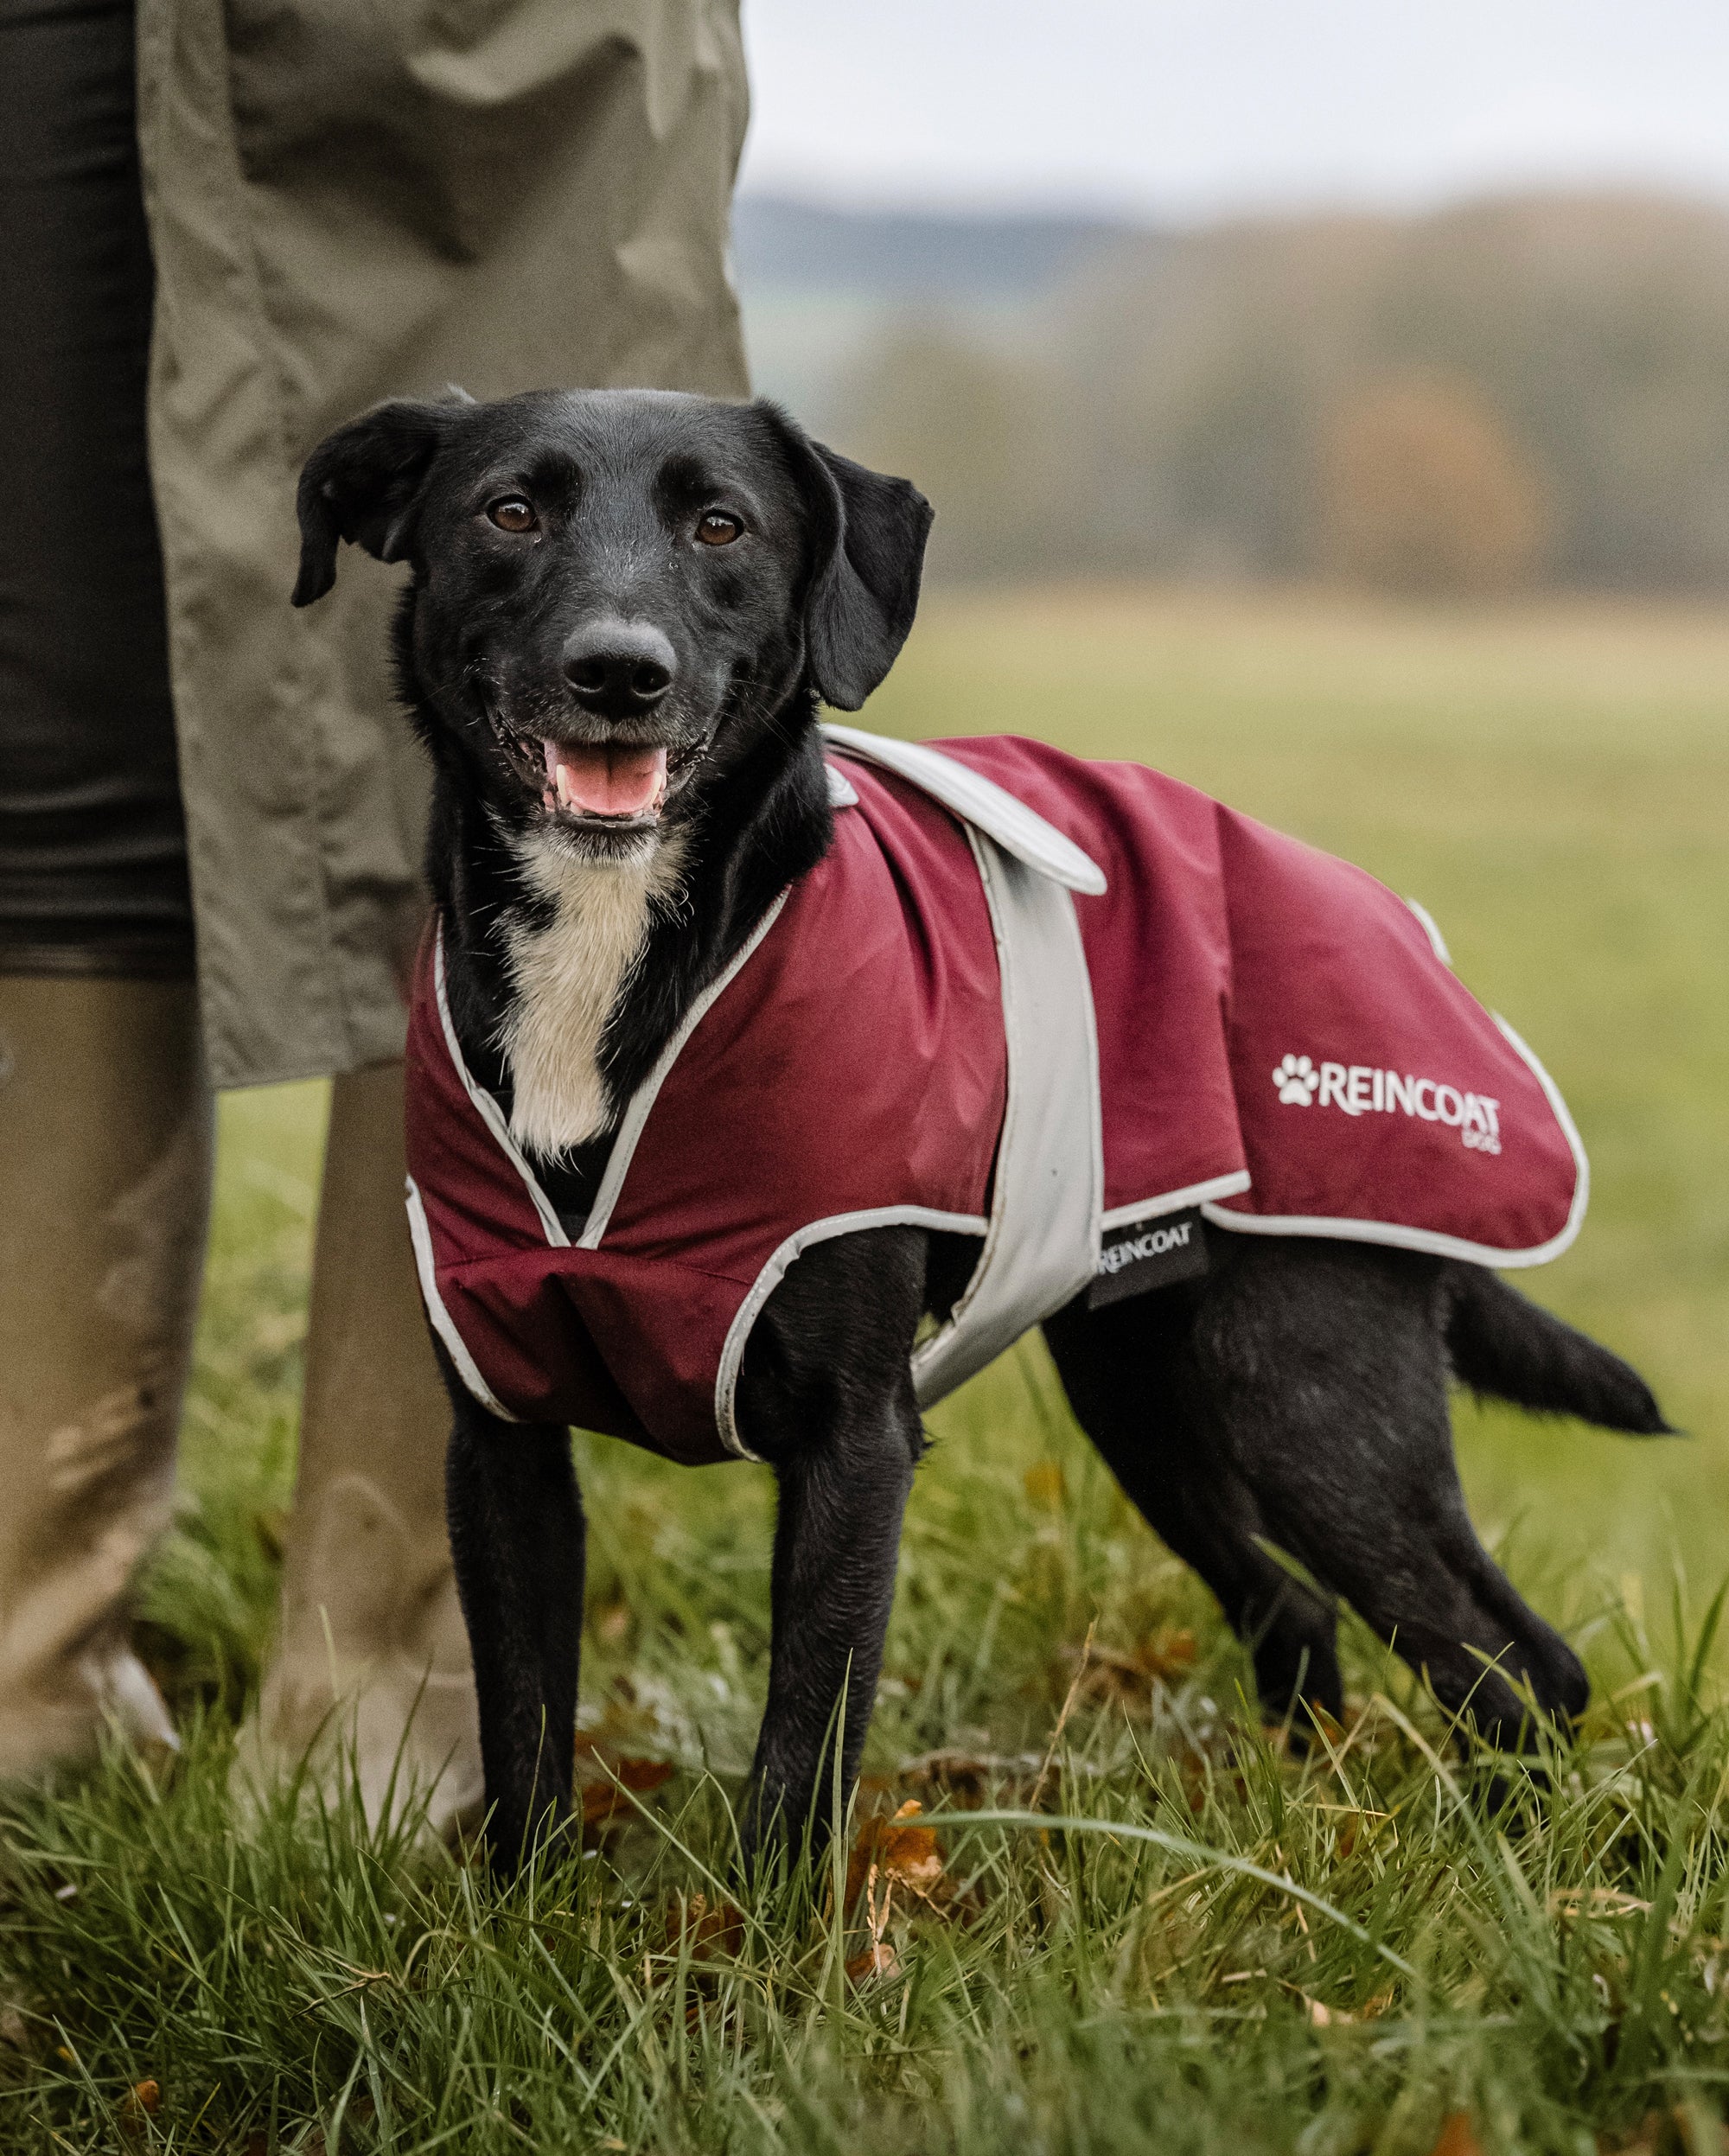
(1501, 1342)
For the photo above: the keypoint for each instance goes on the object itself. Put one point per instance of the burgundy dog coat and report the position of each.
(1026, 997)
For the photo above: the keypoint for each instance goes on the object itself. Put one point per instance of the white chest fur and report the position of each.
(568, 975)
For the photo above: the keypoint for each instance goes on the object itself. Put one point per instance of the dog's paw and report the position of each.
(1296, 1079)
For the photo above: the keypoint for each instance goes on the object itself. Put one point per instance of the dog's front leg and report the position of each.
(517, 1540)
(841, 1499)
(828, 1401)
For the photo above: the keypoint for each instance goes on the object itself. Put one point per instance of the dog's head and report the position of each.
(616, 591)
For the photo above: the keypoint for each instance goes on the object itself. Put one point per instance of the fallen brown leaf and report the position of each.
(878, 1959)
(882, 1847)
(1203, 1771)
(1171, 1650)
(903, 1855)
(1353, 1827)
(1130, 1676)
(1457, 2136)
(601, 1770)
(142, 2101)
(966, 1775)
(708, 1932)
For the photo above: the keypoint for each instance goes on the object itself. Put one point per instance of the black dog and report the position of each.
(624, 608)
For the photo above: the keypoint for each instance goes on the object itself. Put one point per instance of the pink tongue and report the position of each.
(605, 781)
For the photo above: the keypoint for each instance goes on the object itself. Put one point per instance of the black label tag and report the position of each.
(1147, 1254)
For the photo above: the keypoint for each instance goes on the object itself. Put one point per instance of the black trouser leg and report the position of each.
(92, 845)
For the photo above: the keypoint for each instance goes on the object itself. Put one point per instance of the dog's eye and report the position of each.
(513, 513)
(715, 528)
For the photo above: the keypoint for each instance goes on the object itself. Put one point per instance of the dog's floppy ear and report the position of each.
(868, 533)
(361, 484)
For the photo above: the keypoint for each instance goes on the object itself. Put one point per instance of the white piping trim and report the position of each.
(976, 799)
(1175, 1201)
(1388, 1234)
(1438, 942)
(841, 790)
(420, 1234)
(1427, 1239)
(1581, 1188)
(773, 1272)
(489, 1110)
(642, 1100)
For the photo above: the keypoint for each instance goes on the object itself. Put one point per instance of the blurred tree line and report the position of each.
(1526, 392)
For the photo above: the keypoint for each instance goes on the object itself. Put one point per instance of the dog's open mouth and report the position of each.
(597, 785)
(604, 781)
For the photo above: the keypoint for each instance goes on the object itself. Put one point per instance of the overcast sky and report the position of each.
(1183, 108)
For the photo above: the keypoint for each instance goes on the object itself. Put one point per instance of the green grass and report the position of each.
(1185, 1940)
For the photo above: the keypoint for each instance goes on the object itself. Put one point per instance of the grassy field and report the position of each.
(1179, 1938)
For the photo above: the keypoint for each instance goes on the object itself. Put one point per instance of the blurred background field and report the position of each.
(1550, 777)
(1490, 396)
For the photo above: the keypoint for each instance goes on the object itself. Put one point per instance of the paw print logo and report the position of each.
(1296, 1079)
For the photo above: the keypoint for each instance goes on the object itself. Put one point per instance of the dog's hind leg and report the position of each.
(1327, 1367)
(517, 1537)
(1132, 1386)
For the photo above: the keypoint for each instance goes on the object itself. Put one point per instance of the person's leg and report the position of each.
(104, 1114)
(105, 1168)
(369, 1612)
(105, 1117)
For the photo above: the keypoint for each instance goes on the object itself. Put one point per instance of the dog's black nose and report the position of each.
(619, 669)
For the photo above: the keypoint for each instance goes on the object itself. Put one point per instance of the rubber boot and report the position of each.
(105, 1191)
(372, 1658)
